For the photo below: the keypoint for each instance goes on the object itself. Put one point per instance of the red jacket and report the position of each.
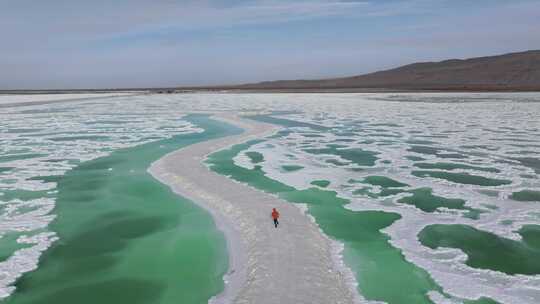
(275, 214)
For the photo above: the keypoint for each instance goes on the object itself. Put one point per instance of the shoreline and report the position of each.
(72, 98)
(258, 273)
(277, 90)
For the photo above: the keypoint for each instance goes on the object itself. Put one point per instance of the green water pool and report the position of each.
(486, 250)
(125, 237)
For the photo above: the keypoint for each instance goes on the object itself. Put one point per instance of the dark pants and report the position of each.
(276, 222)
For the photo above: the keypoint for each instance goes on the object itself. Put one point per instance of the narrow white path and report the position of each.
(289, 265)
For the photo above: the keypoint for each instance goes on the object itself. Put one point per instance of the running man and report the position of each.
(275, 216)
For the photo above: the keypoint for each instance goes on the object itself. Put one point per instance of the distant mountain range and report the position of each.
(514, 71)
(508, 72)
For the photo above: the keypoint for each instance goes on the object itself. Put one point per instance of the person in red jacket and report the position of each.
(275, 216)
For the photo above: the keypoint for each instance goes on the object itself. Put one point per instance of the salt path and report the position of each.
(291, 264)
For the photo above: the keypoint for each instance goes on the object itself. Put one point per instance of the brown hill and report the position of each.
(515, 71)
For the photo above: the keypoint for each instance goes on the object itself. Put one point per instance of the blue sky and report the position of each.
(119, 43)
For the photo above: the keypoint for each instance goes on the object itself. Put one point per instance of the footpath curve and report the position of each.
(289, 265)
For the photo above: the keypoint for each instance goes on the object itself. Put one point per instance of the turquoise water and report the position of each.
(526, 196)
(488, 251)
(255, 157)
(356, 156)
(10, 245)
(291, 168)
(126, 238)
(424, 199)
(454, 166)
(463, 178)
(321, 183)
(383, 181)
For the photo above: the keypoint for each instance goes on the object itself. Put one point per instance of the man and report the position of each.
(275, 216)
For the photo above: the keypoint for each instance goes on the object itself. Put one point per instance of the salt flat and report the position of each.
(403, 169)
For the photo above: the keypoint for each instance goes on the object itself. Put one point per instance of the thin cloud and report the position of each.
(103, 43)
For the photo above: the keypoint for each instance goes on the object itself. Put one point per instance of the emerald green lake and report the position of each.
(126, 238)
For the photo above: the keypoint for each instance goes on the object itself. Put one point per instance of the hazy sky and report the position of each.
(121, 43)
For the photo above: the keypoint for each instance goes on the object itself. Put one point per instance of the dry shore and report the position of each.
(289, 265)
